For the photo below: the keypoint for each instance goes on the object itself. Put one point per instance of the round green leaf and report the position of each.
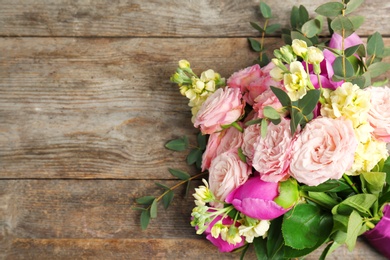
(342, 24)
(265, 10)
(340, 70)
(330, 9)
(311, 28)
(305, 225)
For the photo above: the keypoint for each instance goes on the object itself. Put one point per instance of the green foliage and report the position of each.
(179, 144)
(330, 9)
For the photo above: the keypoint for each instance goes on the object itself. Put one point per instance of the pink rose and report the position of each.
(226, 173)
(223, 245)
(267, 98)
(251, 136)
(273, 153)
(253, 81)
(379, 114)
(324, 150)
(220, 142)
(255, 199)
(223, 107)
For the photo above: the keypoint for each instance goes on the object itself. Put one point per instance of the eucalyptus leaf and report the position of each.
(257, 27)
(256, 46)
(351, 50)
(340, 70)
(309, 102)
(187, 188)
(153, 209)
(179, 174)
(202, 141)
(330, 9)
(265, 10)
(145, 219)
(282, 96)
(342, 25)
(193, 156)
(360, 81)
(294, 17)
(375, 45)
(357, 21)
(353, 5)
(179, 144)
(167, 199)
(303, 15)
(300, 36)
(296, 119)
(272, 28)
(146, 200)
(381, 83)
(311, 28)
(378, 68)
(162, 186)
(271, 113)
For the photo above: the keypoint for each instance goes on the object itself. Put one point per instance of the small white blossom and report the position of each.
(299, 47)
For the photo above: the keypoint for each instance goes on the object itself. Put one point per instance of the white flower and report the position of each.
(259, 228)
(203, 194)
(299, 47)
(314, 55)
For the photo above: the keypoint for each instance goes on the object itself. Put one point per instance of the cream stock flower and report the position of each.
(299, 47)
(203, 194)
(314, 55)
(256, 229)
(296, 81)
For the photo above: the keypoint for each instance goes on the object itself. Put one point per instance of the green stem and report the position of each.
(350, 183)
(237, 126)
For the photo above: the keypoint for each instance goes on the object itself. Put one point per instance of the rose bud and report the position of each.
(264, 200)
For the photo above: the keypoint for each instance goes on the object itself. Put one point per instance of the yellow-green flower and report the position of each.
(296, 81)
(299, 47)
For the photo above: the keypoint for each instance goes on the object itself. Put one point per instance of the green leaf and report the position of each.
(271, 113)
(381, 83)
(356, 21)
(253, 122)
(359, 202)
(329, 249)
(202, 141)
(360, 81)
(193, 156)
(324, 198)
(162, 186)
(300, 36)
(303, 15)
(375, 45)
(386, 169)
(265, 10)
(179, 174)
(311, 28)
(342, 23)
(167, 199)
(275, 242)
(296, 119)
(373, 182)
(179, 144)
(146, 200)
(353, 5)
(305, 225)
(385, 198)
(294, 17)
(241, 155)
(309, 102)
(378, 68)
(354, 225)
(260, 245)
(256, 46)
(257, 27)
(263, 127)
(328, 186)
(187, 188)
(330, 9)
(153, 209)
(282, 96)
(339, 69)
(272, 28)
(351, 50)
(145, 219)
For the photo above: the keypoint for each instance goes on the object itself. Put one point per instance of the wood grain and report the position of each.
(159, 18)
(94, 219)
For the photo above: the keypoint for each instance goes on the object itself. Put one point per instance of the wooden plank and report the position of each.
(92, 108)
(93, 219)
(158, 18)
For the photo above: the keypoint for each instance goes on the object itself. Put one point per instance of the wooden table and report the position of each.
(86, 107)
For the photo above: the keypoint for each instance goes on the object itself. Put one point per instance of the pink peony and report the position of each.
(273, 153)
(223, 245)
(223, 107)
(323, 150)
(255, 199)
(253, 81)
(251, 136)
(267, 98)
(220, 142)
(352, 40)
(226, 173)
(379, 114)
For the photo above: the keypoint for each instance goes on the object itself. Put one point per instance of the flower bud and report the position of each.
(184, 64)
(314, 55)
(207, 75)
(288, 54)
(299, 47)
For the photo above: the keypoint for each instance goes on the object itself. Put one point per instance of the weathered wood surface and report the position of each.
(86, 107)
(160, 18)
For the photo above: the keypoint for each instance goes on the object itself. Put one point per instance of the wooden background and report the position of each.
(86, 107)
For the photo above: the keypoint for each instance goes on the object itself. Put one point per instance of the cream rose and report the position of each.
(226, 173)
(379, 114)
(223, 107)
(323, 150)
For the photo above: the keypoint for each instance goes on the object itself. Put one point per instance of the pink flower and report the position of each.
(273, 153)
(226, 173)
(220, 142)
(267, 98)
(223, 107)
(251, 136)
(379, 114)
(253, 81)
(323, 150)
(223, 245)
(255, 199)
(352, 40)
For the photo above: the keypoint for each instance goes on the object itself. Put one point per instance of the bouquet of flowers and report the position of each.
(295, 147)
